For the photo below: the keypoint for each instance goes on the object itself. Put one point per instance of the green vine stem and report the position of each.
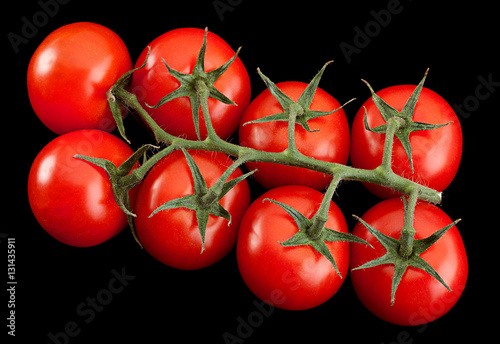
(379, 175)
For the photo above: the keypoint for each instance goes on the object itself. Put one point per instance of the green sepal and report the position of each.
(192, 202)
(227, 186)
(116, 111)
(194, 85)
(123, 82)
(392, 256)
(204, 201)
(408, 126)
(127, 166)
(200, 186)
(122, 181)
(302, 238)
(304, 102)
(188, 202)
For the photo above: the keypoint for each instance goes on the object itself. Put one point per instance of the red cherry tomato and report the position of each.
(293, 278)
(172, 236)
(419, 298)
(71, 198)
(330, 143)
(180, 48)
(436, 153)
(70, 73)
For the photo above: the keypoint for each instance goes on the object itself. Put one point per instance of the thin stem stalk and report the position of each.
(393, 125)
(215, 191)
(408, 232)
(292, 119)
(203, 92)
(321, 216)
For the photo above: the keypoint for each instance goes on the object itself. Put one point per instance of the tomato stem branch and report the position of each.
(203, 92)
(408, 232)
(292, 119)
(221, 187)
(321, 216)
(393, 125)
(288, 157)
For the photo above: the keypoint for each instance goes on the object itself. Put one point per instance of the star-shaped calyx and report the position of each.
(198, 86)
(400, 262)
(406, 114)
(301, 106)
(122, 180)
(204, 201)
(313, 232)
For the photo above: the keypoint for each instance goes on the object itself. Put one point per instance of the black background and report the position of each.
(288, 40)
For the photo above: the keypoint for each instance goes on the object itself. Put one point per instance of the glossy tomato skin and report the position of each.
(436, 153)
(172, 236)
(330, 143)
(419, 298)
(180, 48)
(70, 73)
(71, 198)
(293, 278)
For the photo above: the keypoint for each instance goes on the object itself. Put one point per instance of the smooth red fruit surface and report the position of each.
(172, 236)
(71, 198)
(419, 298)
(180, 48)
(293, 278)
(330, 143)
(70, 73)
(436, 153)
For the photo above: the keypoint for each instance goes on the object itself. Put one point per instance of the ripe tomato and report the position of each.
(180, 48)
(436, 153)
(330, 143)
(70, 73)
(71, 198)
(293, 278)
(172, 236)
(419, 297)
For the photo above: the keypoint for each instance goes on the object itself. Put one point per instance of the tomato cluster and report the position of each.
(189, 207)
